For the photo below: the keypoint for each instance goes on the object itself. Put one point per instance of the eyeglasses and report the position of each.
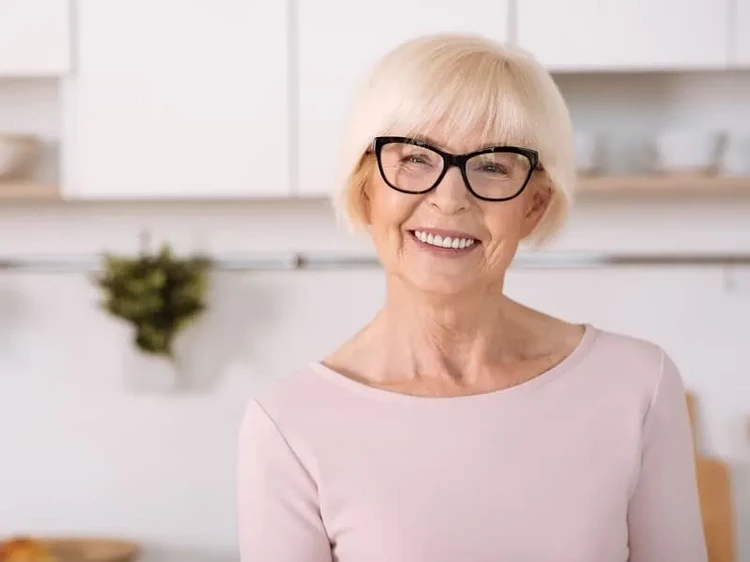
(497, 173)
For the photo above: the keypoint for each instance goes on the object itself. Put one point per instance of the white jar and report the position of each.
(687, 150)
(588, 152)
(735, 158)
(149, 373)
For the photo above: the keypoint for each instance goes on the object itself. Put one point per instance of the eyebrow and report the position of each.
(427, 140)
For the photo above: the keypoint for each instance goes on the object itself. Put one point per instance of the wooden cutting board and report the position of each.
(714, 489)
(91, 550)
(716, 509)
(28, 549)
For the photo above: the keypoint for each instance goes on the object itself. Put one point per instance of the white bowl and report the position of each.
(17, 152)
(687, 150)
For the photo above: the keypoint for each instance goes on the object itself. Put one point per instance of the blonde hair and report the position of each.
(465, 85)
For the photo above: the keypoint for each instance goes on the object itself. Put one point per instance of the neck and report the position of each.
(455, 336)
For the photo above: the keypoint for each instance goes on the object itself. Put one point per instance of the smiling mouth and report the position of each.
(455, 243)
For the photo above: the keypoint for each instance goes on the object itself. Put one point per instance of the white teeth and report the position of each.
(447, 242)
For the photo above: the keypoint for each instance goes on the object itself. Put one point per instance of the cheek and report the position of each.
(389, 209)
(504, 221)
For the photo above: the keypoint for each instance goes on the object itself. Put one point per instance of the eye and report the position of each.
(493, 168)
(417, 158)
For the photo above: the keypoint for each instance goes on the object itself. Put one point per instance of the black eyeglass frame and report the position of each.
(459, 160)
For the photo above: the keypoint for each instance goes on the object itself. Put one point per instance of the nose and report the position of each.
(451, 195)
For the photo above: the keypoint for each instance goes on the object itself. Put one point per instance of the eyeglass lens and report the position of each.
(415, 169)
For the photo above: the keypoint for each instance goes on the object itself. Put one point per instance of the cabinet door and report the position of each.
(176, 99)
(34, 37)
(742, 33)
(580, 35)
(334, 58)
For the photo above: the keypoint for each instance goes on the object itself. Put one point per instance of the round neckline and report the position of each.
(554, 372)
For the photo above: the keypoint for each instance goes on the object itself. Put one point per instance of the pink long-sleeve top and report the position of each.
(591, 461)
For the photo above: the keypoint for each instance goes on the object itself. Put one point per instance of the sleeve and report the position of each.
(278, 514)
(664, 516)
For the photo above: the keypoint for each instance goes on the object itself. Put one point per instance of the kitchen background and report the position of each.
(213, 126)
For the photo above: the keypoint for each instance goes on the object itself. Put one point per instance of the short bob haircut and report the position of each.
(467, 86)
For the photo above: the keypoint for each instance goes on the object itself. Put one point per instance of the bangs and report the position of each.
(475, 99)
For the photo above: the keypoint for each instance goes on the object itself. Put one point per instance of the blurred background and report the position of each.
(213, 126)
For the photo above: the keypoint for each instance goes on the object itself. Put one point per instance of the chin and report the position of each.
(441, 284)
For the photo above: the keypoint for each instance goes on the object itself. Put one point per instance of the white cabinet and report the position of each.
(580, 35)
(34, 37)
(742, 33)
(178, 99)
(339, 42)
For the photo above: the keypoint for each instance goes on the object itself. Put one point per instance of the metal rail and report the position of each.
(318, 261)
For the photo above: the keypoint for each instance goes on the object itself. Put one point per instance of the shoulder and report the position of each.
(632, 351)
(271, 445)
(283, 393)
(296, 407)
(631, 365)
(297, 394)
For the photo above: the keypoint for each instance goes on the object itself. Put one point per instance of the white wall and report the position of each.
(80, 455)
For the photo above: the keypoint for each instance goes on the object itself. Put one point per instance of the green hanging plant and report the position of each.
(159, 294)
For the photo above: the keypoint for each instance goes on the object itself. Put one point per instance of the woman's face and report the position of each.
(409, 230)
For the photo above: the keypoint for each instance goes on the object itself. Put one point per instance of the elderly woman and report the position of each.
(459, 425)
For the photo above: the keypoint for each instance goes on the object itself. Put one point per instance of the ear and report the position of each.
(539, 200)
(364, 194)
